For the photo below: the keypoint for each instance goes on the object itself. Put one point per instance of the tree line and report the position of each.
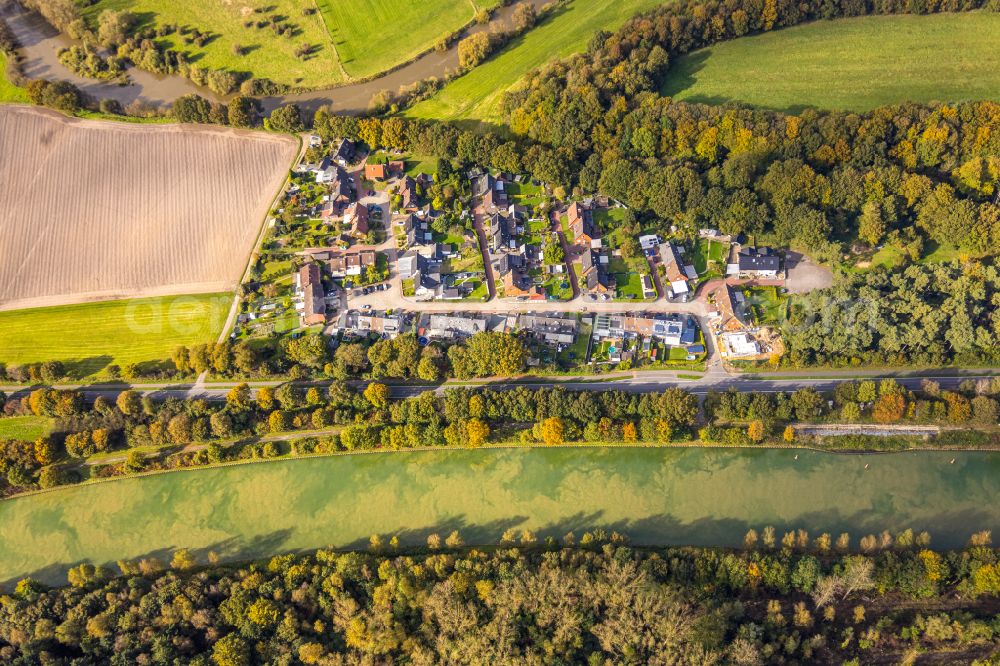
(354, 419)
(247, 424)
(588, 599)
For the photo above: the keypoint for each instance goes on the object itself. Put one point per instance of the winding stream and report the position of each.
(40, 44)
(693, 496)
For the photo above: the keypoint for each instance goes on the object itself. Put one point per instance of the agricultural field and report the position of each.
(477, 95)
(90, 336)
(267, 55)
(8, 91)
(25, 428)
(852, 64)
(372, 36)
(115, 210)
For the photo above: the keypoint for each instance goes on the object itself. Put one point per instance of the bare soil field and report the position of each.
(93, 210)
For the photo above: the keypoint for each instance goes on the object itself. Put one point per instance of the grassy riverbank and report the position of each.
(477, 95)
(9, 93)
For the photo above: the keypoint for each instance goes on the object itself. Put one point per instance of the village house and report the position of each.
(757, 262)
(499, 232)
(593, 273)
(581, 223)
(309, 295)
(326, 172)
(518, 285)
(482, 184)
(731, 310)
(376, 171)
(675, 275)
(343, 152)
(451, 326)
(734, 333)
(350, 263)
(408, 265)
(356, 219)
(649, 241)
(552, 329)
(340, 196)
(671, 330)
(355, 324)
(407, 191)
(379, 323)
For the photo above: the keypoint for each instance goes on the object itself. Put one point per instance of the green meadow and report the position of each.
(375, 35)
(267, 55)
(8, 91)
(851, 64)
(92, 335)
(27, 428)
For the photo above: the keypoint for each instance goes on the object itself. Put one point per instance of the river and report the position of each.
(40, 44)
(692, 496)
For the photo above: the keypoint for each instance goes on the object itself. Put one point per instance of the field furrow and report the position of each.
(104, 210)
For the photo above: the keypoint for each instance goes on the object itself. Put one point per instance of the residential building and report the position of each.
(376, 171)
(738, 345)
(731, 306)
(482, 185)
(581, 223)
(450, 326)
(350, 263)
(675, 276)
(760, 262)
(326, 172)
(356, 219)
(649, 241)
(553, 329)
(496, 198)
(387, 326)
(343, 152)
(498, 230)
(408, 193)
(310, 295)
(667, 329)
(408, 265)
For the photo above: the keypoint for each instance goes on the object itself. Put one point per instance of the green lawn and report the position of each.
(90, 336)
(416, 164)
(268, 55)
(526, 194)
(477, 95)
(576, 354)
(558, 287)
(8, 91)
(854, 64)
(26, 428)
(375, 35)
(709, 258)
(767, 306)
(628, 284)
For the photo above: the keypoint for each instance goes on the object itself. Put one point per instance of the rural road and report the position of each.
(639, 382)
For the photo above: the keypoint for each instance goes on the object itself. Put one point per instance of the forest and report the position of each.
(591, 599)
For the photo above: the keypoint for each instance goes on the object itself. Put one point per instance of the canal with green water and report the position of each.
(654, 495)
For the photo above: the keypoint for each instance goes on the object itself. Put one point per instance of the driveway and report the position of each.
(804, 275)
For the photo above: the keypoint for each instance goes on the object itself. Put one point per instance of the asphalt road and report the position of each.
(639, 382)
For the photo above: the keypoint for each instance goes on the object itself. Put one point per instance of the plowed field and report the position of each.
(98, 210)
